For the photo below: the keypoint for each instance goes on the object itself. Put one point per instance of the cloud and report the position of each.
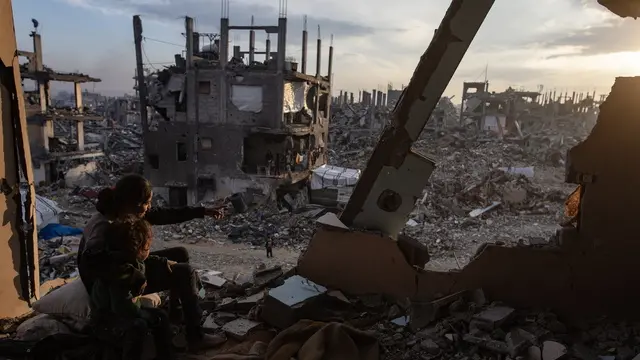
(616, 35)
(524, 42)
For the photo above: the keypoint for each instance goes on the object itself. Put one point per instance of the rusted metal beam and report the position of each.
(395, 175)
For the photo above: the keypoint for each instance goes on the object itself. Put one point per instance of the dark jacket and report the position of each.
(113, 290)
(91, 256)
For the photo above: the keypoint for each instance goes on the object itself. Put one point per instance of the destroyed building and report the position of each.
(230, 122)
(48, 151)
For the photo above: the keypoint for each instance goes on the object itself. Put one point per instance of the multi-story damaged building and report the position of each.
(225, 124)
(49, 152)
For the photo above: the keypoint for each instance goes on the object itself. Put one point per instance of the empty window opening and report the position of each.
(204, 87)
(206, 143)
(154, 161)
(182, 151)
(207, 183)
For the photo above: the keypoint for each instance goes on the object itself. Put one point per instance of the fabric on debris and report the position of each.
(311, 340)
(47, 210)
(39, 327)
(56, 230)
(335, 176)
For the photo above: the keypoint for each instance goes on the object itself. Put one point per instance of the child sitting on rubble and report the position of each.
(120, 282)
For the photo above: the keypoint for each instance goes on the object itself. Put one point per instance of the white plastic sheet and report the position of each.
(294, 96)
(47, 210)
(333, 176)
(247, 97)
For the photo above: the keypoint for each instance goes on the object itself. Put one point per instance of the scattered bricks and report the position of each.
(552, 350)
(492, 317)
(240, 328)
(487, 343)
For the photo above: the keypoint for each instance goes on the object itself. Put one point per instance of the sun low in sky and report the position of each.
(567, 45)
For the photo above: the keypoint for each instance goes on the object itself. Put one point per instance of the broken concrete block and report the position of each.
(249, 302)
(552, 350)
(518, 340)
(430, 346)
(210, 325)
(424, 313)
(239, 329)
(493, 317)
(284, 303)
(266, 276)
(212, 277)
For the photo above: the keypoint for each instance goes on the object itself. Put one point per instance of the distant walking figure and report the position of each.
(269, 246)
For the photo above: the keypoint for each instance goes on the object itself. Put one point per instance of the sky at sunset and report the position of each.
(567, 45)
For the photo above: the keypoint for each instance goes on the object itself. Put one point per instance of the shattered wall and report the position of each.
(230, 113)
(19, 275)
(584, 273)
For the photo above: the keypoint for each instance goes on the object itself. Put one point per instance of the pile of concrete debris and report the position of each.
(278, 312)
(254, 227)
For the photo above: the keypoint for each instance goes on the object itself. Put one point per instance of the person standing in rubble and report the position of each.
(167, 269)
(269, 247)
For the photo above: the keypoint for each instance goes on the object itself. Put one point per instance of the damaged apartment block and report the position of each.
(48, 151)
(228, 124)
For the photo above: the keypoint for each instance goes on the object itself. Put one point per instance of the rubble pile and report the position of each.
(266, 221)
(461, 326)
(58, 258)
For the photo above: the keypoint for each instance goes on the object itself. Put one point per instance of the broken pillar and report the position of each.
(373, 97)
(77, 90)
(80, 134)
(47, 132)
(351, 98)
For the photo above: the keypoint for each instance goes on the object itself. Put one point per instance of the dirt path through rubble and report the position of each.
(230, 258)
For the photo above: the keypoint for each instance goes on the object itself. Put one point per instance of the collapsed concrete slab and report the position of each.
(591, 271)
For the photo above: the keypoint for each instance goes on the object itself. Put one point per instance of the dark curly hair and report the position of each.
(131, 236)
(129, 195)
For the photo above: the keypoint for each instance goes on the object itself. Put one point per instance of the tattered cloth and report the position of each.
(312, 340)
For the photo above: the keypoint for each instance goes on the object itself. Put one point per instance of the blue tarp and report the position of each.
(56, 230)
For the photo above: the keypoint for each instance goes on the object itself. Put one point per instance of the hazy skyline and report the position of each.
(523, 43)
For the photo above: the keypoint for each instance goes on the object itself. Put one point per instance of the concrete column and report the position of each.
(373, 97)
(80, 134)
(305, 36)
(267, 50)
(384, 99)
(319, 55)
(282, 42)
(351, 98)
(236, 52)
(47, 132)
(77, 90)
(252, 44)
(224, 41)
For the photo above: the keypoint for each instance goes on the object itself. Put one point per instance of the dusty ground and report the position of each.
(231, 259)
